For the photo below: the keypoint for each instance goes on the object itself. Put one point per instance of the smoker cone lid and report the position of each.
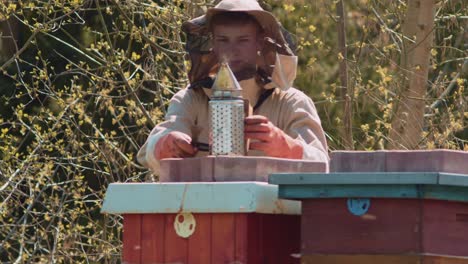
(226, 81)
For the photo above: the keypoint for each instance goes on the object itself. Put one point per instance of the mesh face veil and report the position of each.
(276, 62)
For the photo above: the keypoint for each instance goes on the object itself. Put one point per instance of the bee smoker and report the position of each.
(226, 108)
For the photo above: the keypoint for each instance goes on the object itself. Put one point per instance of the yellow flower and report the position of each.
(289, 8)
(312, 28)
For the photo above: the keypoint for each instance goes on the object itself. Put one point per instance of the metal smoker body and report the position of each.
(227, 114)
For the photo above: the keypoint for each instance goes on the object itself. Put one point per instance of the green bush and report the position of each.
(84, 82)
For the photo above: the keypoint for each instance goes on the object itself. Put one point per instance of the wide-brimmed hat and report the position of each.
(277, 65)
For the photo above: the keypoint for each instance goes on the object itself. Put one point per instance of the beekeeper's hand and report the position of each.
(174, 145)
(270, 139)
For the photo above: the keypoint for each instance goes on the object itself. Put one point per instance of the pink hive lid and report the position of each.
(227, 168)
(438, 160)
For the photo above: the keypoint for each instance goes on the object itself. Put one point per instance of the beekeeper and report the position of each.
(284, 122)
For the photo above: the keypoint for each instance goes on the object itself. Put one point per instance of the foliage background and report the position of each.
(83, 82)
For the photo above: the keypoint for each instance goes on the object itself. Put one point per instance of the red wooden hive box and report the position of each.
(380, 216)
(234, 222)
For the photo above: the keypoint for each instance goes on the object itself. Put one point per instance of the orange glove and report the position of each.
(270, 139)
(174, 145)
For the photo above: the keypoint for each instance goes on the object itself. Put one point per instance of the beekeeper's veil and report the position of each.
(277, 64)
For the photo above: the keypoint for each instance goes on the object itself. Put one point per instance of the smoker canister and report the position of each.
(226, 108)
(227, 127)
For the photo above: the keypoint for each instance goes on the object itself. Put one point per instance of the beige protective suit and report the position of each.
(290, 110)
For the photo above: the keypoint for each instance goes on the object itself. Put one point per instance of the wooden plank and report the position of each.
(227, 168)
(187, 170)
(445, 228)
(281, 238)
(244, 197)
(199, 243)
(250, 168)
(361, 161)
(131, 252)
(217, 197)
(152, 238)
(255, 234)
(270, 238)
(289, 230)
(444, 192)
(363, 178)
(455, 161)
(382, 259)
(361, 259)
(390, 226)
(441, 192)
(266, 238)
(414, 161)
(237, 169)
(138, 198)
(439, 160)
(169, 171)
(242, 237)
(340, 191)
(223, 238)
(453, 179)
(176, 247)
(434, 259)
